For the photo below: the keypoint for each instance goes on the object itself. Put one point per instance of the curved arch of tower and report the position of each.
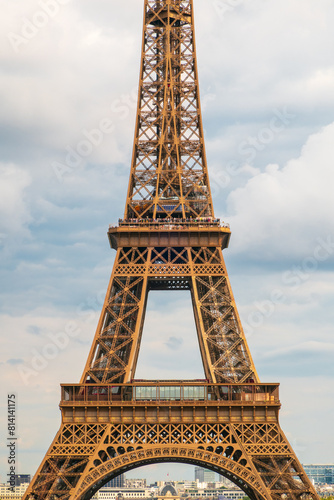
(169, 239)
(224, 465)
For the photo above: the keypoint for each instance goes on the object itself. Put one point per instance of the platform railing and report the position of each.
(171, 223)
(179, 392)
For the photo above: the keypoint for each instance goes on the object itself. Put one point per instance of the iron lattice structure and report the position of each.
(169, 239)
(169, 174)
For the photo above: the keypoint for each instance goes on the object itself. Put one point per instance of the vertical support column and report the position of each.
(116, 343)
(225, 353)
(100, 323)
(132, 363)
(201, 334)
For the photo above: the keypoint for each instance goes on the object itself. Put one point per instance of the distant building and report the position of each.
(135, 483)
(199, 474)
(320, 473)
(168, 492)
(22, 478)
(204, 475)
(213, 494)
(171, 491)
(234, 494)
(117, 482)
(17, 494)
(226, 482)
(106, 493)
(186, 485)
(325, 491)
(209, 491)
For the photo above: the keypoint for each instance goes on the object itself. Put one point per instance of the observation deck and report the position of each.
(170, 401)
(173, 232)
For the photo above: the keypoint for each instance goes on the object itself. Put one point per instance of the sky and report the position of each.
(68, 89)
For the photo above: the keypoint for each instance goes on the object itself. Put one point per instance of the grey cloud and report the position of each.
(15, 362)
(34, 330)
(174, 343)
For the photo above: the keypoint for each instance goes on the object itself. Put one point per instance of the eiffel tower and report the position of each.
(169, 239)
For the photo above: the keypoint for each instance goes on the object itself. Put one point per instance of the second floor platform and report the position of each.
(170, 392)
(201, 231)
(170, 402)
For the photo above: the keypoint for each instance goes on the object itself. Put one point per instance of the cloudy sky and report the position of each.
(267, 87)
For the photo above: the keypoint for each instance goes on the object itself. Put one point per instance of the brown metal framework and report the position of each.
(169, 174)
(169, 239)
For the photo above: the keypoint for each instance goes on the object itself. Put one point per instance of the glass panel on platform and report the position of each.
(194, 392)
(170, 393)
(145, 393)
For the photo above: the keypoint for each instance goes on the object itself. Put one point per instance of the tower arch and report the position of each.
(243, 476)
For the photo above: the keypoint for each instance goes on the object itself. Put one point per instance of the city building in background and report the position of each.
(208, 489)
(171, 491)
(168, 492)
(225, 482)
(320, 473)
(234, 493)
(117, 482)
(22, 479)
(204, 475)
(135, 483)
(107, 493)
(16, 494)
(186, 485)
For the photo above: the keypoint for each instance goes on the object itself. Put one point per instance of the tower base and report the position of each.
(232, 429)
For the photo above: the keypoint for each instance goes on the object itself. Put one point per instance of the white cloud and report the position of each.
(307, 347)
(269, 51)
(284, 210)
